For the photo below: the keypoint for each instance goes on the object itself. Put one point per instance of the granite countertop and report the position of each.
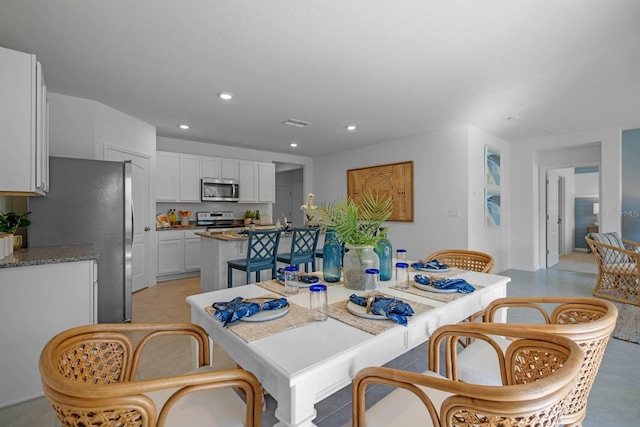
(48, 255)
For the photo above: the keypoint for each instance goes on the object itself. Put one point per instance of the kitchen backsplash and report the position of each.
(238, 209)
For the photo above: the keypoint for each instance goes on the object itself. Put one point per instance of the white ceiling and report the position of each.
(393, 68)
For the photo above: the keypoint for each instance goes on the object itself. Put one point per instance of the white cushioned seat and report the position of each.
(385, 412)
(478, 363)
(210, 408)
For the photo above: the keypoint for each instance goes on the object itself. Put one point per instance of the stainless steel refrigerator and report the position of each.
(89, 202)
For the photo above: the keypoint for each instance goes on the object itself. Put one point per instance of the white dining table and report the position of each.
(303, 365)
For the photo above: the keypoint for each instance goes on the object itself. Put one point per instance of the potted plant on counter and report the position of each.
(357, 226)
(10, 222)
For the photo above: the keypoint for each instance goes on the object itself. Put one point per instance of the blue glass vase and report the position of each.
(331, 258)
(385, 253)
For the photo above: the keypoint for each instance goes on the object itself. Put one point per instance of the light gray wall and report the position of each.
(442, 187)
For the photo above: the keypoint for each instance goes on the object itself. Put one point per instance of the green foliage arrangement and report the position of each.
(357, 225)
(10, 222)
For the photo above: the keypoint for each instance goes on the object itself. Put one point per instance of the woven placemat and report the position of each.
(338, 310)
(251, 331)
(432, 295)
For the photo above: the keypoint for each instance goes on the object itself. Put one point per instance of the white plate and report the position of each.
(432, 270)
(432, 289)
(361, 311)
(265, 315)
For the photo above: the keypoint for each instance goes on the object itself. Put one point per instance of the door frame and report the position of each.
(542, 203)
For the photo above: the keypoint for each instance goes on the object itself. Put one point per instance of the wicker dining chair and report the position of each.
(587, 321)
(618, 272)
(89, 375)
(464, 259)
(540, 369)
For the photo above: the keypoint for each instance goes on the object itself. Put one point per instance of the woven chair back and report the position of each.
(587, 321)
(464, 259)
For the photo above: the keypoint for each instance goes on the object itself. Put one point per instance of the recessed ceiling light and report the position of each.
(184, 126)
(293, 144)
(351, 127)
(225, 95)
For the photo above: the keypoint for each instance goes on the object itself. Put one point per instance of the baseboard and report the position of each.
(581, 249)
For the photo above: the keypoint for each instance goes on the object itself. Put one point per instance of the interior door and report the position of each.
(553, 219)
(140, 268)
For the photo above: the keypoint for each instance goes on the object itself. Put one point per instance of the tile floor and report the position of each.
(614, 399)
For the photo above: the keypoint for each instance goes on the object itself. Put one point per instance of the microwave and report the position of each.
(219, 190)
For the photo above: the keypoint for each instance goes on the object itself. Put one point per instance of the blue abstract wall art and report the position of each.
(492, 166)
(492, 208)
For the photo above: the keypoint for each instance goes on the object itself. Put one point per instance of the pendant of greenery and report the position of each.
(357, 225)
(10, 222)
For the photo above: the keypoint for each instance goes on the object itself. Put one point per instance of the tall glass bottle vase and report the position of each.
(331, 258)
(385, 253)
(357, 260)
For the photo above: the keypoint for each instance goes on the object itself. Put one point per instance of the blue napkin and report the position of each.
(433, 264)
(460, 285)
(392, 308)
(237, 308)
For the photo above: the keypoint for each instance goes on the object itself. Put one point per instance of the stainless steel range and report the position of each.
(216, 219)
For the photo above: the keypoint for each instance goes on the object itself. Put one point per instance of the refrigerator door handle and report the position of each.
(133, 221)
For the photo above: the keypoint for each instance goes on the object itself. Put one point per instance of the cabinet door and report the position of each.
(41, 105)
(170, 255)
(189, 178)
(248, 177)
(228, 169)
(18, 121)
(166, 177)
(192, 250)
(267, 182)
(211, 167)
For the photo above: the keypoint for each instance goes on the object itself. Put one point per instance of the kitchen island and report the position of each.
(219, 248)
(43, 291)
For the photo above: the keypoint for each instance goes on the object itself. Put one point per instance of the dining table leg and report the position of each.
(296, 406)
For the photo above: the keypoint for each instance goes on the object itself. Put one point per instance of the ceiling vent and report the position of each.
(296, 123)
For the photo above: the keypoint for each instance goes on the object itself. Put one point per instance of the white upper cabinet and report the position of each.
(248, 177)
(177, 177)
(267, 182)
(23, 125)
(217, 167)
(189, 178)
(167, 177)
(257, 182)
(211, 167)
(229, 169)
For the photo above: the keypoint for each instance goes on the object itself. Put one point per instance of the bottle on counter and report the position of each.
(331, 257)
(172, 217)
(385, 253)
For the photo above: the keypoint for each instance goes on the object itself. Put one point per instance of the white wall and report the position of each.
(442, 177)
(529, 162)
(587, 184)
(494, 241)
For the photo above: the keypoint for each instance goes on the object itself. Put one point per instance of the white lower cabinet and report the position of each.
(36, 303)
(178, 254)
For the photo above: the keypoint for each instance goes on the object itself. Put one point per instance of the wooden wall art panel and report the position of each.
(395, 179)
